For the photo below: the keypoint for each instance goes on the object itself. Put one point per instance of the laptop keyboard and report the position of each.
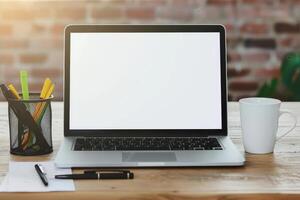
(146, 144)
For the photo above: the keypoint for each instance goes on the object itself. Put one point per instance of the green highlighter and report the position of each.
(24, 84)
(25, 96)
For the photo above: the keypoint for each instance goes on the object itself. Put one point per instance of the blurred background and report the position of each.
(263, 37)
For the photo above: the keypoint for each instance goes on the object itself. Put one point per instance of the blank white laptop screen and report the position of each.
(145, 81)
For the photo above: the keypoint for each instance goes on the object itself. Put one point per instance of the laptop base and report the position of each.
(229, 156)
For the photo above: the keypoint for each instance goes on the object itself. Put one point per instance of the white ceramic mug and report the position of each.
(259, 120)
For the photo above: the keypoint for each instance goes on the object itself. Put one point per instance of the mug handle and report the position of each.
(292, 128)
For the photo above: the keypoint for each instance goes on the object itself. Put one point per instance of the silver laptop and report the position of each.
(145, 96)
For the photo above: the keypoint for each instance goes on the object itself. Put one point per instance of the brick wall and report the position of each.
(260, 32)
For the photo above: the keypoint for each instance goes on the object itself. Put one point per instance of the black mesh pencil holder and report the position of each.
(30, 126)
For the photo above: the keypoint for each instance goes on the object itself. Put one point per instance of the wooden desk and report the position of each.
(272, 176)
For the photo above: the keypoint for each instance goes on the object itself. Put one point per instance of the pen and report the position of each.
(39, 169)
(117, 174)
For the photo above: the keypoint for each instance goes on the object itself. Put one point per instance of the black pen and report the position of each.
(112, 174)
(41, 173)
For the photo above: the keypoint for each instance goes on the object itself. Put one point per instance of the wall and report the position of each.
(259, 33)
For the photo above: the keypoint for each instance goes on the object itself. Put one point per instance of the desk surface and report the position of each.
(263, 176)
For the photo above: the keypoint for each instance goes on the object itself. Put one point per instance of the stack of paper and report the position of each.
(22, 177)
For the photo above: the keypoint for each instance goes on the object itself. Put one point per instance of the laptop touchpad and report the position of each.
(148, 157)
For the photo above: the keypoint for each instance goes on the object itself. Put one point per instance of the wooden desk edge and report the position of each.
(147, 196)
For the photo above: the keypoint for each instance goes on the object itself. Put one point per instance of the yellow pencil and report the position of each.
(50, 91)
(46, 86)
(14, 91)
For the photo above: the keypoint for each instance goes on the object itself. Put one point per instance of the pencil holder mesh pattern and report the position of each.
(34, 138)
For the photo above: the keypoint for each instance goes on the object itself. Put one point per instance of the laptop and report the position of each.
(145, 96)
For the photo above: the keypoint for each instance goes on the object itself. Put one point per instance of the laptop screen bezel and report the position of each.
(145, 132)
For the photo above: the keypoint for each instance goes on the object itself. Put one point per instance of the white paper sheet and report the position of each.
(22, 177)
